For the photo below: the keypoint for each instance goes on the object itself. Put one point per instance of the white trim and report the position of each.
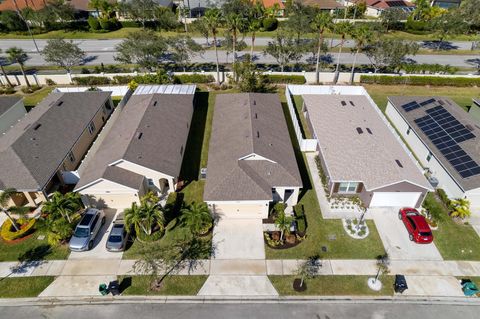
(246, 157)
(403, 180)
(103, 180)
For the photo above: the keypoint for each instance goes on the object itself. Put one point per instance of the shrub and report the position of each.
(158, 78)
(323, 176)
(31, 89)
(437, 211)
(130, 24)
(93, 23)
(420, 80)
(50, 82)
(109, 24)
(193, 78)
(279, 207)
(270, 24)
(443, 197)
(286, 79)
(7, 90)
(91, 80)
(300, 218)
(9, 233)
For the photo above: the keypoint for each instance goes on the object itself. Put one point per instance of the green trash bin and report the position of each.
(103, 289)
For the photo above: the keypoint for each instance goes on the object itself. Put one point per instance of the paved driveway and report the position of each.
(395, 239)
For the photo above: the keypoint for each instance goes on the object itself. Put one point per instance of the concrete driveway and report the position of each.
(395, 239)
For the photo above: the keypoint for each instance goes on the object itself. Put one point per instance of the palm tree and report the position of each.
(17, 55)
(254, 26)
(3, 70)
(283, 222)
(5, 197)
(196, 217)
(362, 35)
(213, 20)
(19, 13)
(235, 23)
(460, 208)
(256, 15)
(63, 205)
(322, 22)
(144, 218)
(342, 28)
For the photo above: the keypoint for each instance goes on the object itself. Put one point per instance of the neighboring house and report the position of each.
(9, 5)
(327, 5)
(376, 7)
(360, 154)
(446, 4)
(199, 7)
(11, 111)
(279, 4)
(143, 150)
(445, 139)
(49, 143)
(251, 162)
(474, 110)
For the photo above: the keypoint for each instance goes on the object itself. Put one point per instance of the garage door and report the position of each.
(242, 210)
(394, 199)
(113, 200)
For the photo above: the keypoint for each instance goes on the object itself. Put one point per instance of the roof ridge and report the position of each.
(251, 121)
(250, 171)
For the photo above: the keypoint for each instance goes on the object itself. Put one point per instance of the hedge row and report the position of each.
(300, 219)
(9, 233)
(420, 80)
(286, 79)
(159, 78)
(193, 78)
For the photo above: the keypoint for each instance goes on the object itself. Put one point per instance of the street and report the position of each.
(314, 310)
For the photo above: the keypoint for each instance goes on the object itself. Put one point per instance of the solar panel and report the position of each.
(427, 102)
(450, 124)
(410, 106)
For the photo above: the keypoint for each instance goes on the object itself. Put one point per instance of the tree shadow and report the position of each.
(89, 59)
(439, 45)
(475, 62)
(32, 258)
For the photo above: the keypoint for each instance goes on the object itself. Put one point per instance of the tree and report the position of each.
(213, 20)
(228, 45)
(392, 17)
(5, 196)
(470, 11)
(165, 19)
(61, 10)
(383, 263)
(448, 25)
(182, 49)
(17, 55)
(144, 218)
(389, 52)
(235, 23)
(65, 54)
(144, 48)
(255, 17)
(95, 4)
(58, 229)
(362, 35)
(196, 217)
(249, 79)
(200, 25)
(2, 61)
(63, 205)
(19, 13)
(283, 223)
(309, 268)
(460, 208)
(299, 21)
(284, 49)
(139, 10)
(342, 28)
(321, 23)
(11, 22)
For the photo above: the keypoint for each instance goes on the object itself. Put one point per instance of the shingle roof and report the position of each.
(246, 124)
(322, 4)
(32, 150)
(151, 131)
(6, 102)
(350, 156)
(9, 5)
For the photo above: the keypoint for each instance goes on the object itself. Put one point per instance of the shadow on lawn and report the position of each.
(31, 259)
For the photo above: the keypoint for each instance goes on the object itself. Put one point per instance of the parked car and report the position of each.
(417, 226)
(87, 229)
(117, 240)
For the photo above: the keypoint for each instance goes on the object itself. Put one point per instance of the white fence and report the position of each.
(116, 90)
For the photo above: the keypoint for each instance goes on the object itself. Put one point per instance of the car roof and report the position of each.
(420, 222)
(87, 217)
(117, 229)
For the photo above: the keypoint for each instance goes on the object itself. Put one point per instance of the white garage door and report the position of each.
(242, 210)
(113, 200)
(394, 199)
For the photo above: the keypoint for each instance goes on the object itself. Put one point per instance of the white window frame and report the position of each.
(349, 187)
(91, 127)
(71, 157)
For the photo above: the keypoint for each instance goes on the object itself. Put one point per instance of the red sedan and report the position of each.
(417, 226)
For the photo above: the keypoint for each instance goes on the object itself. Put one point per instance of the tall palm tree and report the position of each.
(196, 217)
(460, 208)
(19, 13)
(235, 23)
(283, 222)
(17, 55)
(213, 20)
(3, 70)
(343, 29)
(321, 23)
(63, 205)
(257, 13)
(362, 35)
(144, 218)
(5, 197)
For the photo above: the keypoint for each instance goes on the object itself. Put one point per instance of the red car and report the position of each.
(417, 226)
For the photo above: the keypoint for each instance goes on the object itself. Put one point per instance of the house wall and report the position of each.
(105, 193)
(474, 111)
(404, 187)
(239, 209)
(293, 199)
(10, 117)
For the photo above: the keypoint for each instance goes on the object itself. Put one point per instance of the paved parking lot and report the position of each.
(395, 239)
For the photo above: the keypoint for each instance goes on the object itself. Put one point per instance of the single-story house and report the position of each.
(251, 161)
(445, 139)
(376, 7)
(9, 5)
(279, 4)
(474, 110)
(144, 149)
(327, 5)
(11, 111)
(360, 154)
(48, 143)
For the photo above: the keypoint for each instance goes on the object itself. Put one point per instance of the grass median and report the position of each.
(175, 285)
(23, 287)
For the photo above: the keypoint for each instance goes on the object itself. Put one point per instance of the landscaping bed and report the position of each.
(172, 285)
(23, 287)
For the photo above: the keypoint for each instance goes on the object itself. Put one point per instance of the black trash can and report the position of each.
(114, 287)
(400, 284)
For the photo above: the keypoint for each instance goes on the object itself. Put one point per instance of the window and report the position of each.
(150, 182)
(91, 127)
(429, 157)
(348, 187)
(94, 223)
(71, 157)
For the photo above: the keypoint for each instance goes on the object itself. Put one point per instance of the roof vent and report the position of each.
(351, 103)
(398, 163)
(155, 103)
(469, 127)
(359, 130)
(344, 103)
(441, 102)
(369, 130)
(254, 102)
(60, 103)
(258, 134)
(37, 126)
(139, 135)
(256, 115)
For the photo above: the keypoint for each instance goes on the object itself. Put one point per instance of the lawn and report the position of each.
(461, 95)
(30, 100)
(32, 249)
(23, 287)
(298, 102)
(172, 285)
(332, 285)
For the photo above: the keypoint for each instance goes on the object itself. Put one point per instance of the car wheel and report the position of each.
(400, 216)
(411, 237)
(90, 245)
(103, 220)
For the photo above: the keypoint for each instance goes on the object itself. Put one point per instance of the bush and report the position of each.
(437, 211)
(50, 82)
(270, 24)
(91, 80)
(193, 78)
(9, 233)
(93, 23)
(286, 79)
(160, 77)
(420, 80)
(300, 218)
(279, 207)
(130, 24)
(109, 24)
(443, 197)
(31, 89)
(7, 90)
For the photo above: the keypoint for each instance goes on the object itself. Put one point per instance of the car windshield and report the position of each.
(425, 233)
(115, 239)
(81, 232)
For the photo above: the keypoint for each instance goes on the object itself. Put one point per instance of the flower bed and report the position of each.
(9, 233)
(355, 228)
(272, 240)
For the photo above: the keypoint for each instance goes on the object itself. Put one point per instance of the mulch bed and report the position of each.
(284, 246)
(297, 287)
(18, 240)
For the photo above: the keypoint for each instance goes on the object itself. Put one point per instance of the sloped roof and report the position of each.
(249, 124)
(386, 4)
(6, 102)
(9, 5)
(322, 4)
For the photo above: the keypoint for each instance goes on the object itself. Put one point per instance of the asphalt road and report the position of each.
(323, 310)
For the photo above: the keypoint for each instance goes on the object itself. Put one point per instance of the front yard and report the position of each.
(32, 248)
(23, 287)
(172, 285)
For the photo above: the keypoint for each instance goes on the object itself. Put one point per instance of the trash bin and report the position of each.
(400, 284)
(114, 287)
(102, 288)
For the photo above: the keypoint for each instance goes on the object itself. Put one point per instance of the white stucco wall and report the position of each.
(10, 117)
(239, 209)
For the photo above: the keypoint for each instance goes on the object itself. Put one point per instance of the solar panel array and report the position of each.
(450, 124)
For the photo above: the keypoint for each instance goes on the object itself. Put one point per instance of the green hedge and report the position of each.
(286, 79)
(270, 24)
(193, 78)
(420, 80)
(92, 80)
(300, 218)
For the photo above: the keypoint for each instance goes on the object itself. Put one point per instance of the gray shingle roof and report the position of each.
(32, 150)
(151, 131)
(245, 124)
(6, 102)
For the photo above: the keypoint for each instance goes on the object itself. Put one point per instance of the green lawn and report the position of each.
(332, 285)
(23, 287)
(32, 249)
(172, 285)
(298, 102)
(30, 100)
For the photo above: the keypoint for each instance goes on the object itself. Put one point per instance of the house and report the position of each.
(376, 7)
(360, 155)
(327, 5)
(279, 5)
(474, 110)
(199, 7)
(445, 139)
(39, 153)
(143, 151)
(446, 4)
(251, 162)
(9, 5)
(11, 111)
